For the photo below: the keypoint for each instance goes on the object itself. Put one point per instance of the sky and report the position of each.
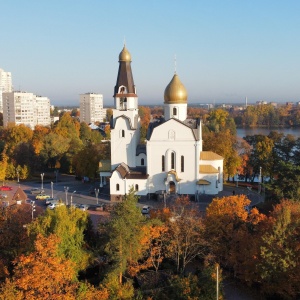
(226, 50)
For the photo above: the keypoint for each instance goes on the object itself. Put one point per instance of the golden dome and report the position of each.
(175, 91)
(124, 55)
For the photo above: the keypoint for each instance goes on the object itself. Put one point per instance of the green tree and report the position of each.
(280, 252)
(55, 146)
(124, 230)
(69, 224)
(286, 184)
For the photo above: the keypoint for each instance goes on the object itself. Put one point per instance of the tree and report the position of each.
(286, 184)
(124, 230)
(43, 273)
(69, 225)
(55, 146)
(224, 144)
(186, 234)
(280, 251)
(13, 236)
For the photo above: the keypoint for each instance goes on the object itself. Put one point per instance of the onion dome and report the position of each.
(175, 91)
(124, 55)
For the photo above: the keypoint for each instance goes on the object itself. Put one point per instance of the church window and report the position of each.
(117, 187)
(182, 163)
(123, 133)
(163, 163)
(172, 135)
(174, 111)
(136, 187)
(142, 162)
(173, 160)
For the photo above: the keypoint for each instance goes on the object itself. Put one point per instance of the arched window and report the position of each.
(163, 163)
(142, 162)
(136, 187)
(174, 111)
(182, 163)
(123, 133)
(173, 160)
(117, 187)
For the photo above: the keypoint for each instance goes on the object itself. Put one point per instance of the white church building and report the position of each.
(171, 160)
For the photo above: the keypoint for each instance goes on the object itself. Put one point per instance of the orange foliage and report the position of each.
(43, 274)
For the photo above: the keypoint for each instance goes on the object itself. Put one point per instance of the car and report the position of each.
(84, 207)
(145, 210)
(36, 191)
(53, 205)
(5, 188)
(3, 195)
(42, 197)
(50, 200)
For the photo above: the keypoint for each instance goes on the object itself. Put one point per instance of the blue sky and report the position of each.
(225, 50)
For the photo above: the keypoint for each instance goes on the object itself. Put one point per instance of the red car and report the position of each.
(5, 188)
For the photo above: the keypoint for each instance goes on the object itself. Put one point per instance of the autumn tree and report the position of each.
(234, 234)
(144, 113)
(43, 273)
(13, 236)
(224, 144)
(69, 225)
(186, 234)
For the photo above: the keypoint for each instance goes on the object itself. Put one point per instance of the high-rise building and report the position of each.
(43, 111)
(25, 108)
(5, 85)
(91, 108)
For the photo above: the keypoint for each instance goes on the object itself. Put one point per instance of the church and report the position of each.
(171, 160)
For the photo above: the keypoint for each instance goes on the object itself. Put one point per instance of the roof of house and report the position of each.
(207, 169)
(209, 155)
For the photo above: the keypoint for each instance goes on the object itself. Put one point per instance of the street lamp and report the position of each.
(72, 197)
(66, 191)
(97, 193)
(259, 180)
(32, 208)
(52, 189)
(42, 177)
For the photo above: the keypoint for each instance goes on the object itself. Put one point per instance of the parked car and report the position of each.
(5, 188)
(50, 200)
(36, 191)
(3, 195)
(53, 205)
(145, 210)
(42, 197)
(84, 207)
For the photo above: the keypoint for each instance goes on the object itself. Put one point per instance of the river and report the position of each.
(242, 132)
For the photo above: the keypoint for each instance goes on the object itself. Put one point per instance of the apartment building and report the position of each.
(25, 108)
(91, 108)
(5, 85)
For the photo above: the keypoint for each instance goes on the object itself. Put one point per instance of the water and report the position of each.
(242, 132)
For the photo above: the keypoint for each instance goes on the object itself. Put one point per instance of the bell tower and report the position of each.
(125, 122)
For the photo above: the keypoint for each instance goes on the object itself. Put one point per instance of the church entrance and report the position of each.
(172, 189)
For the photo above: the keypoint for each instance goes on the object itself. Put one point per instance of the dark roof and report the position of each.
(125, 78)
(131, 173)
(19, 195)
